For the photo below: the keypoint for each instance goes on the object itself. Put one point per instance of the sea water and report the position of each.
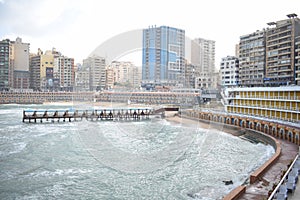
(150, 159)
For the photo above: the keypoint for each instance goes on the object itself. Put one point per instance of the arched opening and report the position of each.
(258, 126)
(251, 125)
(266, 129)
(228, 120)
(236, 121)
(215, 118)
(296, 139)
(290, 136)
(209, 117)
(281, 133)
(221, 119)
(274, 131)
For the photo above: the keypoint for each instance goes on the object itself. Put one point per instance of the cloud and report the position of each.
(36, 18)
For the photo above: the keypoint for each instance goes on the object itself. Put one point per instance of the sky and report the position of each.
(77, 27)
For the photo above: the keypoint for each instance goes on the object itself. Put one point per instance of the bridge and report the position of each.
(96, 114)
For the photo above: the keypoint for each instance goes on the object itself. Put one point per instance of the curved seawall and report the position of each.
(260, 131)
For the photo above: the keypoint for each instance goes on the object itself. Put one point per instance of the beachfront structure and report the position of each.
(229, 71)
(163, 55)
(33, 97)
(252, 59)
(189, 98)
(6, 65)
(280, 51)
(282, 103)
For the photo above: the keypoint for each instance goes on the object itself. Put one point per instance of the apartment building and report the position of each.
(229, 71)
(280, 51)
(252, 59)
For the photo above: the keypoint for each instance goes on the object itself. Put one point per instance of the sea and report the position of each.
(147, 159)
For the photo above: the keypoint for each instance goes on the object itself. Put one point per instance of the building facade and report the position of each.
(280, 51)
(297, 61)
(207, 81)
(6, 65)
(96, 66)
(64, 72)
(282, 103)
(252, 59)
(229, 71)
(203, 55)
(163, 55)
(126, 74)
(21, 75)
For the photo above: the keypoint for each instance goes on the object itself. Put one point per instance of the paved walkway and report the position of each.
(296, 194)
(260, 189)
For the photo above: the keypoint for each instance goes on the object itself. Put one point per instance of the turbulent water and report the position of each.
(152, 159)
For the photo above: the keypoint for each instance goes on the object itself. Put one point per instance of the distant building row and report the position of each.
(52, 71)
(270, 57)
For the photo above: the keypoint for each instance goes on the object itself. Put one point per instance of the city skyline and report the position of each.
(77, 28)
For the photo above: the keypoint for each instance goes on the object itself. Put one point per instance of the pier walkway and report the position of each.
(96, 114)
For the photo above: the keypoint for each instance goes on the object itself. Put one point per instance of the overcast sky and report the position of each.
(77, 27)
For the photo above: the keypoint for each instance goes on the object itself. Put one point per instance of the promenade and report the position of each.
(260, 189)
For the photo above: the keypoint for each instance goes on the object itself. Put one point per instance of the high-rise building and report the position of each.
(297, 60)
(252, 59)
(280, 51)
(35, 71)
(163, 55)
(6, 65)
(21, 77)
(203, 55)
(64, 72)
(96, 66)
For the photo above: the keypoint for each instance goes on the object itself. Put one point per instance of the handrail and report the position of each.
(283, 178)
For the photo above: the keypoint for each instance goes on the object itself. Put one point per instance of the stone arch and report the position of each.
(258, 126)
(243, 123)
(202, 116)
(290, 136)
(228, 120)
(221, 119)
(215, 118)
(266, 128)
(236, 121)
(281, 133)
(251, 124)
(274, 131)
(209, 117)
